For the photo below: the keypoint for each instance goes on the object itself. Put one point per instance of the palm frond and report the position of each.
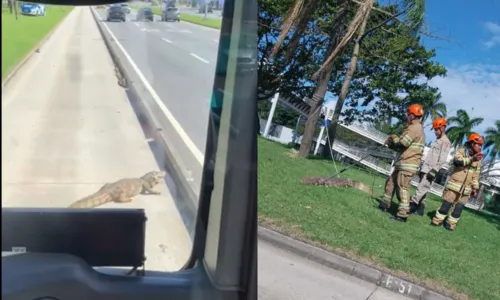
(294, 15)
(362, 14)
(415, 10)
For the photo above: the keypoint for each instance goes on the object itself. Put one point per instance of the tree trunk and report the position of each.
(345, 86)
(15, 8)
(314, 113)
(322, 86)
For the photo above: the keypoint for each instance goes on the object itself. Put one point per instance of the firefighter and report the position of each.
(462, 184)
(435, 160)
(410, 147)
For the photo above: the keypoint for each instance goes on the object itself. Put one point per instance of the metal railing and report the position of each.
(368, 131)
(357, 154)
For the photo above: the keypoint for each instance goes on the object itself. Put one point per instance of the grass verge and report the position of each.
(21, 36)
(463, 263)
(200, 20)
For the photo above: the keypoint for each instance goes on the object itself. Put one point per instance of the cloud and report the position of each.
(474, 88)
(494, 29)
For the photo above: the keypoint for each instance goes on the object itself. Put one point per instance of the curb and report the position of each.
(150, 124)
(30, 54)
(350, 267)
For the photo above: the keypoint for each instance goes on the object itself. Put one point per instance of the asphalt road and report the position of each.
(178, 60)
(68, 128)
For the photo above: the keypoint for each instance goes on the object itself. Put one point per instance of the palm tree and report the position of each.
(434, 108)
(299, 16)
(492, 140)
(463, 125)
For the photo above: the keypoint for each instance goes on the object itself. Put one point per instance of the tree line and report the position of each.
(369, 57)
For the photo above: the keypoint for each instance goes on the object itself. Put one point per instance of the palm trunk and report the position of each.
(322, 84)
(315, 110)
(347, 81)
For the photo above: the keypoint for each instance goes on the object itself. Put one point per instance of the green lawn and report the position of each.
(199, 20)
(20, 36)
(346, 221)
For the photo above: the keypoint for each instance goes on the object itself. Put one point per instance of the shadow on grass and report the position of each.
(393, 209)
(488, 216)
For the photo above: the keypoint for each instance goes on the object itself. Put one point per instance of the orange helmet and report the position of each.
(438, 123)
(416, 109)
(475, 138)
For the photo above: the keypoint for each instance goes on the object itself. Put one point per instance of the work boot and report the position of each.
(383, 207)
(399, 219)
(450, 227)
(436, 222)
(413, 208)
(421, 210)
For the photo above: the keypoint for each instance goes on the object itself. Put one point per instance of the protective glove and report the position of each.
(478, 156)
(473, 193)
(388, 142)
(431, 175)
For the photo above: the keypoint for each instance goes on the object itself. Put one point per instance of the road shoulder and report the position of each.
(68, 128)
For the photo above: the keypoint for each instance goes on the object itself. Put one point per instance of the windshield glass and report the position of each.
(116, 111)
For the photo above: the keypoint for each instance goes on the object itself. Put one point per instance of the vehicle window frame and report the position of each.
(235, 128)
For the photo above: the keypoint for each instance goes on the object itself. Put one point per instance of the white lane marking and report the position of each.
(137, 24)
(185, 31)
(200, 157)
(168, 41)
(199, 58)
(217, 41)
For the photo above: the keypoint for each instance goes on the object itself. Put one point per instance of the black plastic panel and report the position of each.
(65, 277)
(101, 237)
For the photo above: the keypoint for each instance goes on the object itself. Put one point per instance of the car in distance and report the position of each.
(210, 8)
(116, 12)
(171, 13)
(126, 7)
(145, 13)
(32, 9)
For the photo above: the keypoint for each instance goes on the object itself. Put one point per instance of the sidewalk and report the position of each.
(286, 275)
(68, 128)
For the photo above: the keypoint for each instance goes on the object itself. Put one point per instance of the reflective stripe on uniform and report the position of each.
(452, 221)
(406, 167)
(406, 140)
(440, 216)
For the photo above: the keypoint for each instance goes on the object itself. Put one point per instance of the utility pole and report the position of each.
(206, 8)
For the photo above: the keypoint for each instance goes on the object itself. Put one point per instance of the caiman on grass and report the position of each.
(335, 182)
(122, 191)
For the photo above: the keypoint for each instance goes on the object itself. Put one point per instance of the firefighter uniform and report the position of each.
(463, 180)
(410, 146)
(434, 161)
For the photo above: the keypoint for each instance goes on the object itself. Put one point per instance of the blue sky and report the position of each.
(471, 53)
